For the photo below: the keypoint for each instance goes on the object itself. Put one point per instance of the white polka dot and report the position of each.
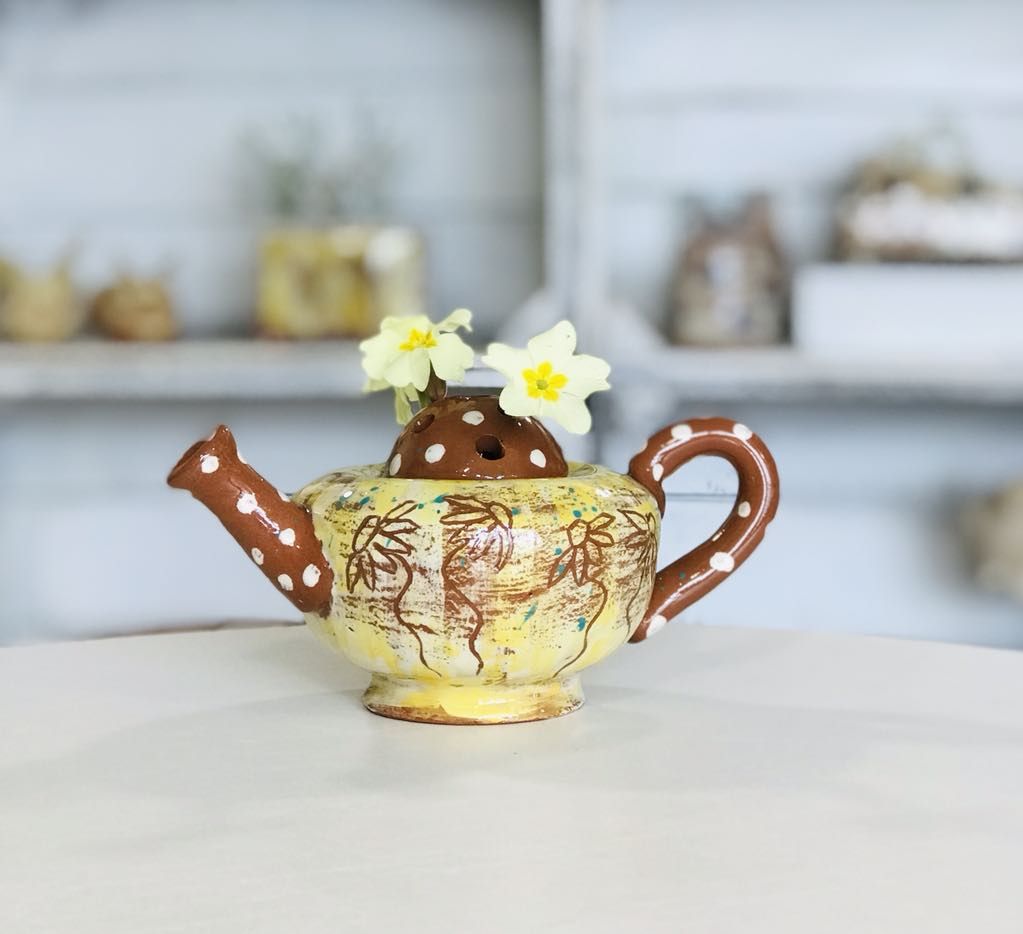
(741, 431)
(473, 418)
(285, 582)
(658, 471)
(347, 493)
(722, 561)
(743, 509)
(247, 503)
(311, 575)
(395, 465)
(257, 555)
(717, 535)
(682, 432)
(538, 458)
(284, 496)
(434, 453)
(656, 624)
(287, 536)
(209, 463)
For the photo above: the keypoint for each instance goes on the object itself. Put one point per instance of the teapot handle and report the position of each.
(688, 578)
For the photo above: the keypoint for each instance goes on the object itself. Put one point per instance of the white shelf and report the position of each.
(249, 369)
(255, 369)
(786, 375)
(214, 369)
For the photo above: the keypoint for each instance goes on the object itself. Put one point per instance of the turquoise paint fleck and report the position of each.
(363, 501)
(440, 499)
(561, 569)
(581, 625)
(529, 613)
(557, 551)
(577, 513)
(516, 511)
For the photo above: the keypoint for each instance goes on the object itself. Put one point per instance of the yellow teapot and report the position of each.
(475, 573)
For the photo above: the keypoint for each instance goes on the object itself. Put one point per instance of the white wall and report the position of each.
(120, 129)
(787, 96)
(95, 129)
(121, 125)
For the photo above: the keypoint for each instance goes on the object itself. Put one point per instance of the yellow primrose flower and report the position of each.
(406, 349)
(548, 378)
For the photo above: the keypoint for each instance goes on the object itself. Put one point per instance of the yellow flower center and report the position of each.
(418, 339)
(544, 383)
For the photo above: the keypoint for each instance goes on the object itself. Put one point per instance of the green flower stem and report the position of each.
(436, 389)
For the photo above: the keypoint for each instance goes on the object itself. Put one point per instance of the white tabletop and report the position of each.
(718, 780)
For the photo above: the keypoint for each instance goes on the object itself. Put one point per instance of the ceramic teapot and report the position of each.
(476, 573)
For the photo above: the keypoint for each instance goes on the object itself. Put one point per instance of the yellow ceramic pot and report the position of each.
(482, 599)
(478, 598)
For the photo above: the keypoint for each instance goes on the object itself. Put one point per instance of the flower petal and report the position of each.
(451, 357)
(508, 361)
(586, 374)
(378, 353)
(402, 324)
(459, 318)
(515, 401)
(570, 411)
(555, 345)
(411, 367)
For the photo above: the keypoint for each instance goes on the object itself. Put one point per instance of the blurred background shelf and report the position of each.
(246, 369)
(787, 375)
(215, 369)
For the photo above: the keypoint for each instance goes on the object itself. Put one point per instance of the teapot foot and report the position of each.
(472, 703)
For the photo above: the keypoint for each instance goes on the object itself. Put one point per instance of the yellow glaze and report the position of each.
(480, 601)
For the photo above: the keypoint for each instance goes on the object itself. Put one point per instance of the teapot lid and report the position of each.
(473, 438)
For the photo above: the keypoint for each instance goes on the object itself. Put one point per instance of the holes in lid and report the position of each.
(489, 448)
(423, 422)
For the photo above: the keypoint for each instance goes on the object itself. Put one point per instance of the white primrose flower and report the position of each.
(406, 349)
(548, 378)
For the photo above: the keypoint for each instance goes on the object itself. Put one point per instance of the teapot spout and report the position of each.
(277, 534)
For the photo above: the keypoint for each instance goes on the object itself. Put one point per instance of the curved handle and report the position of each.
(688, 578)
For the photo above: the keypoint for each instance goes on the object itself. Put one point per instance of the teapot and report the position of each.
(476, 573)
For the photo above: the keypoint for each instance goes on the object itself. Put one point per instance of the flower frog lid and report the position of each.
(473, 438)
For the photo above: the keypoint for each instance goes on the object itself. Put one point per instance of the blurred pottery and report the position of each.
(134, 309)
(994, 531)
(338, 282)
(919, 201)
(475, 573)
(731, 284)
(40, 307)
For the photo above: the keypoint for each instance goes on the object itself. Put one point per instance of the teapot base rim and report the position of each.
(472, 704)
